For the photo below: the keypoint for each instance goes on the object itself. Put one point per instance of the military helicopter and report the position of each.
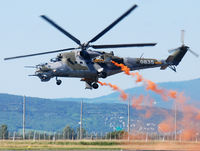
(90, 65)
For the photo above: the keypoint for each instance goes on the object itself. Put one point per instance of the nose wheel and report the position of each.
(95, 85)
(58, 82)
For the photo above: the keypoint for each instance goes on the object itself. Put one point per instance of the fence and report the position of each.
(53, 136)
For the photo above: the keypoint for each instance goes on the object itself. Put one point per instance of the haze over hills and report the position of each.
(53, 116)
(190, 89)
(109, 110)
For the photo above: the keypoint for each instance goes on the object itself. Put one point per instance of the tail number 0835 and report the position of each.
(146, 61)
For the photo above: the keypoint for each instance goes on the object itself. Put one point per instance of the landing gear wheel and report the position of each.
(103, 75)
(58, 82)
(95, 85)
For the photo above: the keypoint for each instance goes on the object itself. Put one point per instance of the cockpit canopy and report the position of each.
(58, 58)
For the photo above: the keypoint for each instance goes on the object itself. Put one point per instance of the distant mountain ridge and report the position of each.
(109, 110)
(189, 87)
(53, 116)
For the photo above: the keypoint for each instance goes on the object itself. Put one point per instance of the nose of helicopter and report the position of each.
(43, 71)
(53, 68)
(43, 67)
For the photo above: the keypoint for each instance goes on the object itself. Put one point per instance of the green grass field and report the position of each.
(97, 145)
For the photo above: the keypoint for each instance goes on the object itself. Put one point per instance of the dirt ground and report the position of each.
(99, 145)
(165, 146)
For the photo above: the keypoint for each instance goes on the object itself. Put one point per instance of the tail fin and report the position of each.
(178, 54)
(174, 59)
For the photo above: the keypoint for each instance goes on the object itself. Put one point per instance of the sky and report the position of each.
(24, 32)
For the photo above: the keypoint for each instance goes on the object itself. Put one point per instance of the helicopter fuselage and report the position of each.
(99, 65)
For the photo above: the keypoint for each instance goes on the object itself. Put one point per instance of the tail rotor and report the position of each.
(182, 37)
(183, 47)
(182, 41)
(194, 53)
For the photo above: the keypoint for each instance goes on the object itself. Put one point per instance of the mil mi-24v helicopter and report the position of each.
(90, 65)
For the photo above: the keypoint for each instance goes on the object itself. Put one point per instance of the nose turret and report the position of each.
(43, 71)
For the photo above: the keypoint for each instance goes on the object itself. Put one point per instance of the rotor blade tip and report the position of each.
(43, 16)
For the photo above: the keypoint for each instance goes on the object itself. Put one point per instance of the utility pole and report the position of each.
(175, 122)
(81, 119)
(24, 108)
(128, 119)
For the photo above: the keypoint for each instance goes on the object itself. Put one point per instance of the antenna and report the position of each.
(141, 55)
(182, 36)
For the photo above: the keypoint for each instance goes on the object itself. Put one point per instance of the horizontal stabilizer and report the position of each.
(163, 67)
(170, 59)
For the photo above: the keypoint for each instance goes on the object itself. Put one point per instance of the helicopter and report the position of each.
(90, 65)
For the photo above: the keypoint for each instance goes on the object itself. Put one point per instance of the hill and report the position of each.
(190, 89)
(48, 115)
(101, 114)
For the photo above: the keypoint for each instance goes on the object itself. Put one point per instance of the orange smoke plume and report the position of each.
(126, 70)
(165, 127)
(198, 116)
(172, 94)
(187, 134)
(148, 114)
(149, 111)
(149, 84)
(123, 67)
(153, 87)
(143, 102)
(137, 102)
(138, 76)
(188, 124)
(123, 95)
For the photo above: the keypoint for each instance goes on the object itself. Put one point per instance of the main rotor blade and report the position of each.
(30, 66)
(61, 29)
(122, 45)
(113, 24)
(42, 53)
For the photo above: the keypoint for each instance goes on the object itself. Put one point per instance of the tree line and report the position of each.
(67, 133)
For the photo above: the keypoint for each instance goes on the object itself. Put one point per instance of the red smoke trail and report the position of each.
(172, 94)
(188, 124)
(137, 102)
(153, 86)
(141, 103)
(123, 67)
(198, 116)
(150, 85)
(123, 95)
(166, 126)
(149, 112)
(127, 71)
